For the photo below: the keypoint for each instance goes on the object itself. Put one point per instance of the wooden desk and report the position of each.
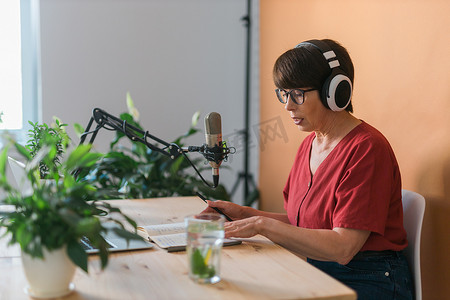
(257, 269)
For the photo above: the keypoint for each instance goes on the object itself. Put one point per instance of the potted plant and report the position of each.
(49, 222)
(37, 135)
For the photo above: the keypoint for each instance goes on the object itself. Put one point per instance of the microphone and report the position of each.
(213, 135)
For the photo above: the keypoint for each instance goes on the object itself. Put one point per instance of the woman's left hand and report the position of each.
(244, 228)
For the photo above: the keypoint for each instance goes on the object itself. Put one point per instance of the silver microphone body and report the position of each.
(213, 136)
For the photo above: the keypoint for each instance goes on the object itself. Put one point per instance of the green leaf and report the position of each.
(103, 253)
(127, 117)
(195, 118)
(69, 215)
(88, 159)
(77, 254)
(68, 182)
(23, 151)
(130, 103)
(23, 235)
(132, 110)
(175, 167)
(79, 130)
(197, 262)
(89, 226)
(76, 155)
(3, 159)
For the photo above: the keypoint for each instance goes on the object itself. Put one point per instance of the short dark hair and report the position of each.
(306, 67)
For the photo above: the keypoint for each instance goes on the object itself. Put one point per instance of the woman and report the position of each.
(343, 195)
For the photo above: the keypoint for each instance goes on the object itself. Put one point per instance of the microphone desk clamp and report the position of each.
(109, 122)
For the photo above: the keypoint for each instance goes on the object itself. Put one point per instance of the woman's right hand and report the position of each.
(233, 210)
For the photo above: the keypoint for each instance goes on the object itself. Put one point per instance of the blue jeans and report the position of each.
(373, 277)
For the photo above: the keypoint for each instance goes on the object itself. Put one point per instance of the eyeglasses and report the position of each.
(297, 95)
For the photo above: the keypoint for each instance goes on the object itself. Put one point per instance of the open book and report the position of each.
(172, 236)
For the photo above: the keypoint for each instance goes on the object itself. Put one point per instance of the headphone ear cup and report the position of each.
(336, 91)
(324, 93)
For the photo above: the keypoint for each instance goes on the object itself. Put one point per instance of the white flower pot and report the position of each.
(49, 277)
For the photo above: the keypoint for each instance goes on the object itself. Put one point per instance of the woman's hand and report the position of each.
(244, 228)
(234, 211)
(243, 224)
(247, 221)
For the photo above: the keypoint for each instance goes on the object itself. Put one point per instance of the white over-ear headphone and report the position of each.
(336, 91)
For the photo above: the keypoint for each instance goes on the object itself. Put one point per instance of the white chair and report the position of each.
(413, 211)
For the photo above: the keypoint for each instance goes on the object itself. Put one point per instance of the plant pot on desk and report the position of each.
(51, 276)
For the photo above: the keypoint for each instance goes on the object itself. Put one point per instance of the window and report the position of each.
(10, 60)
(19, 72)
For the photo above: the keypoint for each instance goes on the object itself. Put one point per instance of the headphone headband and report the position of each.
(327, 52)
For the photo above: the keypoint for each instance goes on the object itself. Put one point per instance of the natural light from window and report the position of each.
(10, 62)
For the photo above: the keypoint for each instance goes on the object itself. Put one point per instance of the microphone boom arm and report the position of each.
(103, 119)
(135, 134)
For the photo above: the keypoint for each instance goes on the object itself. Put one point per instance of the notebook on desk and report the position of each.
(116, 243)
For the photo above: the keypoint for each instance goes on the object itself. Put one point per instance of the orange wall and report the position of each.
(401, 53)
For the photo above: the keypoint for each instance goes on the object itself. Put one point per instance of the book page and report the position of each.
(170, 240)
(163, 229)
(171, 236)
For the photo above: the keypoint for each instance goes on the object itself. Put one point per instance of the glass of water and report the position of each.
(205, 235)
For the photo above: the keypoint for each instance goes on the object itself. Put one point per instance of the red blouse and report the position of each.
(358, 186)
